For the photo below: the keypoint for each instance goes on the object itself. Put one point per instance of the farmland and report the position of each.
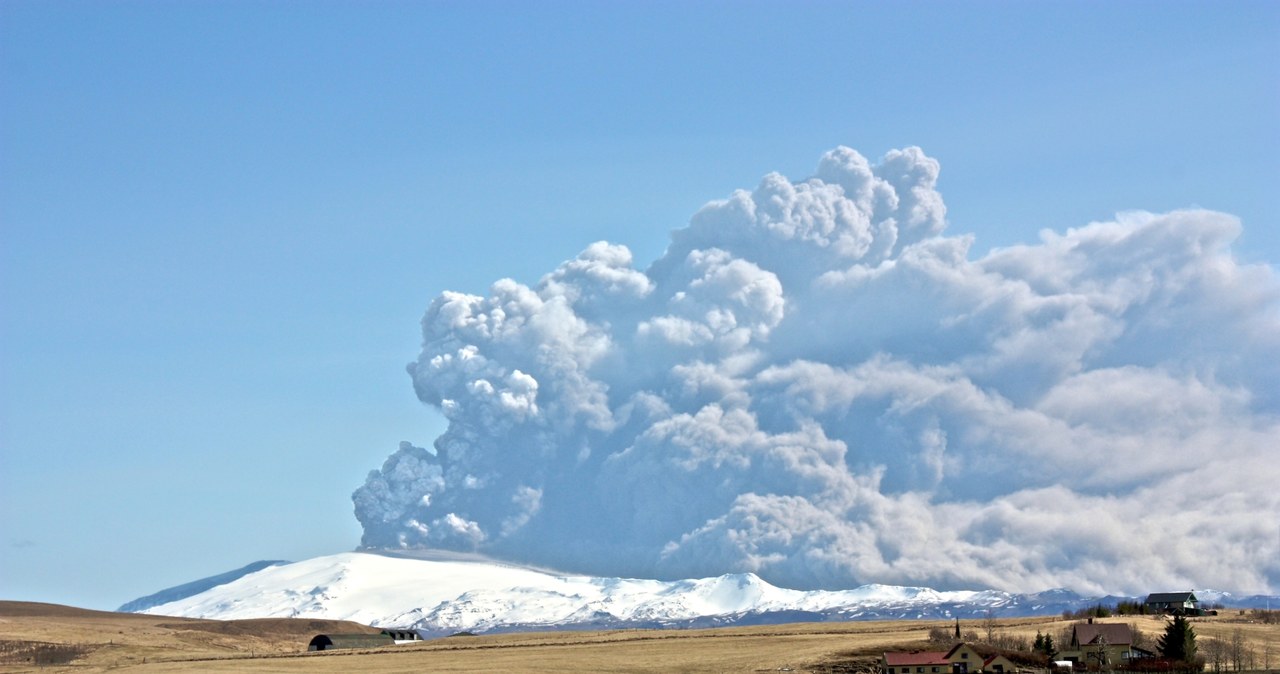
(92, 641)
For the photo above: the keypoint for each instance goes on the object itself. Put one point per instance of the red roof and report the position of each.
(917, 658)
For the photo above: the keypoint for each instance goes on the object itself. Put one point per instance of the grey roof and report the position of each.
(1114, 634)
(1171, 597)
(402, 634)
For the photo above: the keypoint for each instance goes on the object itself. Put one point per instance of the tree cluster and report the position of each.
(1264, 616)
(1131, 608)
(1235, 654)
(1044, 645)
(1098, 610)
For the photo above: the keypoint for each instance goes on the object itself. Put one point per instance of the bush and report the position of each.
(1131, 608)
(941, 635)
(1095, 611)
(1165, 666)
(40, 653)
(1264, 616)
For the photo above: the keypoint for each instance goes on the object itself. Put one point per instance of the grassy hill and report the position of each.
(100, 641)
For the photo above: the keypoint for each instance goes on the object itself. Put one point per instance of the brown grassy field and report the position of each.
(116, 641)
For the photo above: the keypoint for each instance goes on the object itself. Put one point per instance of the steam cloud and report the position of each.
(815, 384)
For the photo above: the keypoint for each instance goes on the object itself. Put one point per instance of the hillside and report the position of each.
(28, 629)
(195, 587)
(144, 643)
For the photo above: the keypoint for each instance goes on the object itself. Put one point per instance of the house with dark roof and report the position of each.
(961, 659)
(1102, 644)
(1176, 603)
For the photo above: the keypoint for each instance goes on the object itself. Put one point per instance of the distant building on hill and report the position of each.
(1177, 603)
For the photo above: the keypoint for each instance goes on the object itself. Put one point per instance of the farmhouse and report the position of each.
(1177, 603)
(930, 662)
(998, 664)
(961, 659)
(1102, 644)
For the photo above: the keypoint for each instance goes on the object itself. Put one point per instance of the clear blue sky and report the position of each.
(220, 222)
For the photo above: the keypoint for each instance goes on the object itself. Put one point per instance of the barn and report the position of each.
(328, 642)
(403, 636)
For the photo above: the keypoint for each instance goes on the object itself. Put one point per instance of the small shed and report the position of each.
(328, 642)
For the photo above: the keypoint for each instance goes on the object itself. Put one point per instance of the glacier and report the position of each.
(445, 593)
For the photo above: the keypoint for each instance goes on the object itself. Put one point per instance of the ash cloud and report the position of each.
(817, 384)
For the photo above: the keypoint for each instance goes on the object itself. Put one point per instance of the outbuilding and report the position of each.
(328, 642)
(403, 636)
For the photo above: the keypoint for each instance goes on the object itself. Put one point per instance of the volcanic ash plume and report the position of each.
(816, 384)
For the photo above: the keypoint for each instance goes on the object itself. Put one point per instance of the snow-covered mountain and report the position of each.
(194, 587)
(444, 594)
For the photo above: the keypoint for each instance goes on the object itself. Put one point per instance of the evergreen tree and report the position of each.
(1044, 645)
(1179, 641)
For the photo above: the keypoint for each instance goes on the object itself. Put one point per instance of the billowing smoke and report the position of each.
(816, 384)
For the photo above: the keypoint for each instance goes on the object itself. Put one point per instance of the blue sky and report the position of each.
(220, 223)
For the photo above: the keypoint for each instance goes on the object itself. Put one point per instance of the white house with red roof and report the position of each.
(961, 659)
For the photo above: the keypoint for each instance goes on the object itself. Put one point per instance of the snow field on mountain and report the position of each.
(449, 595)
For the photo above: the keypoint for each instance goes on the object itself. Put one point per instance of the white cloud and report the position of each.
(817, 384)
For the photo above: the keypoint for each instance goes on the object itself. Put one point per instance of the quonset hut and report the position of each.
(328, 642)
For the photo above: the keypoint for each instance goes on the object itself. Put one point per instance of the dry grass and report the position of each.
(125, 638)
(158, 644)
